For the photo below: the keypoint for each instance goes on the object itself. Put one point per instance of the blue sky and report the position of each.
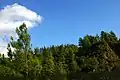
(67, 20)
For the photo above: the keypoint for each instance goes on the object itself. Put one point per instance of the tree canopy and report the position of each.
(98, 53)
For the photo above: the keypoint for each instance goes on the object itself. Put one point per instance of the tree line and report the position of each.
(93, 54)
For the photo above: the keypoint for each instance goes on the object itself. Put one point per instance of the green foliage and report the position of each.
(48, 66)
(94, 54)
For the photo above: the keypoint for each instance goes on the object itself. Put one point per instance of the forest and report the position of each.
(94, 58)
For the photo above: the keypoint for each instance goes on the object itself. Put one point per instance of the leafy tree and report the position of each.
(21, 47)
(93, 54)
(48, 66)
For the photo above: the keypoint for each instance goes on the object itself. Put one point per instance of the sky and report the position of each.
(56, 22)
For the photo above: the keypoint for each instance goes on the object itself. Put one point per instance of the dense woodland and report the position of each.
(93, 55)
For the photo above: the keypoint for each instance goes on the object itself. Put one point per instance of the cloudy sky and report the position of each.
(12, 16)
(54, 22)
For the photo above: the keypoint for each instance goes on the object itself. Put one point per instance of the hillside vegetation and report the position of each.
(92, 57)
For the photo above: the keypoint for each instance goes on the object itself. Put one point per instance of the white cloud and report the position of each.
(13, 16)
